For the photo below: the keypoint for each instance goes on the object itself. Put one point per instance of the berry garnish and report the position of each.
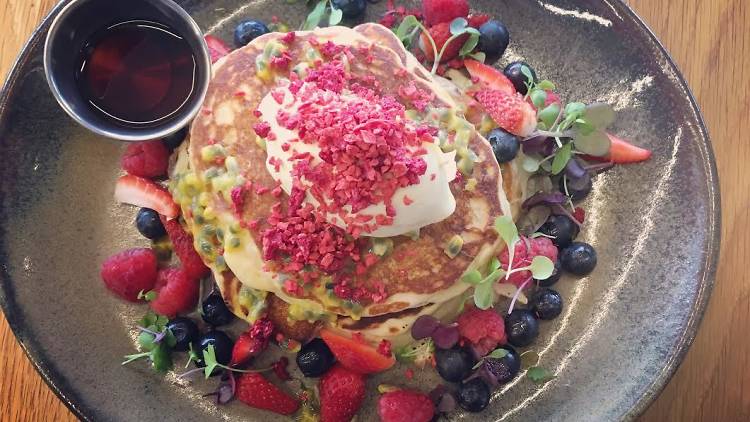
(493, 38)
(148, 224)
(256, 391)
(441, 34)
(130, 272)
(356, 355)
(578, 258)
(215, 310)
(350, 8)
(315, 358)
(146, 159)
(248, 30)
(510, 112)
(220, 350)
(487, 77)
(216, 48)
(341, 394)
(424, 327)
(182, 243)
(501, 366)
(443, 11)
(546, 304)
(251, 343)
(521, 327)
(142, 192)
(474, 395)
(176, 292)
(485, 329)
(405, 406)
(561, 229)
(553, 278)
(623, 152)
(504, 145)
(514, 72)
(455, 364)
(185, 332)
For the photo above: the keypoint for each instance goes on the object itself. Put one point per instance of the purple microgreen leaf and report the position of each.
(561, 210)
(574, 170)
(445, 336)
(544, 198)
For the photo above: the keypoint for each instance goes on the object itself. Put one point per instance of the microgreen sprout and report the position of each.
(316, 15)
(411, 26)
(498, 353)
(210, 362)
(156, 341)
(539, 375)
(420, 353)
(147, 296)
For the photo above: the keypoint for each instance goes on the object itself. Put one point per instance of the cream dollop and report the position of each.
(430, 200)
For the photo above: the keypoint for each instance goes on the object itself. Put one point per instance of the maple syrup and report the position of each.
(138, 73)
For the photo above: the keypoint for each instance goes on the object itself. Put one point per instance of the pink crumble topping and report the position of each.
(276, 192)
(329, 49)
(329, 76)
(285, 146)
(408, 201)
(401, 72)
(257, 113)
(261, 190)
(239, 94)
(281, 62)
(238, 199)
(419, 98)
(433, 176)
(289, 37)
(262, 129)
(278, 96)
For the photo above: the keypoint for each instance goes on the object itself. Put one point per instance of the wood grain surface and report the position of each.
(710, 41)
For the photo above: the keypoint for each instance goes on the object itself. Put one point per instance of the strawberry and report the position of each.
(405, 406)
(478, 19)
(216, 48)
(440, 34)
(256, 391)
(488, 77)
(182, 244)
(176, 292)
(146, 159)
(252, 342)
(623, 152)
(130, 272)
(142, 192)
(356, 355)
(443, 11)
(510, 112)
(341, 394)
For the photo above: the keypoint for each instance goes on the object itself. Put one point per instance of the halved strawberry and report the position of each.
(183, 245)
(216, 48)
(256, 391)
(176, 292)
(142, 192)
(342, 392)
(440, 34)
(510, 112)
(356, 355)
(245, 348)
(488, 77)
(623, 152)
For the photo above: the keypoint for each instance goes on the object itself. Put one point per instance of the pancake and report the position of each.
(417, 273)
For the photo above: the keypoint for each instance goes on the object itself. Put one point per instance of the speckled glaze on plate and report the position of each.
(622, 334)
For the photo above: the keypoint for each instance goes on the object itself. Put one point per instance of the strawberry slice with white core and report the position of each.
(487, 77)
(510, 111)
(142, 192)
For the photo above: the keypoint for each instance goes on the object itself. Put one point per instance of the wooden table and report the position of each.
(710, 40)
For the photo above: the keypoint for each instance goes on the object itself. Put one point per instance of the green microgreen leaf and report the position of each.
(600, 115)
(546, 85)
(469, 45)
(541, 267)
(508, 231)
(574, 109)
(538, 96)
(483, 295)
(530, 164)
(561, 158)
(472, 277)
(147, 296)
(458, 25)
(539, 375)
(406, 26)
(146, 341)
(595, 143)
(529, 76)
(161, 357)
(479, 56)
(549, 114)
(494, 265)
(583, 126)
(335, 17)
(134, 357)
(498, 353)
(314, 18)
(209, 359)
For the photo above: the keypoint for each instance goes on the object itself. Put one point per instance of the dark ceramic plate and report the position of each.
(624, 330)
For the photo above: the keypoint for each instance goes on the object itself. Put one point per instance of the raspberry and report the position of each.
(477, 19)
(485, 329)
(176, 292)
(440, 33)
(444, 11)
(146, 159)
(182, 243)
(129, 272)
(525, 251)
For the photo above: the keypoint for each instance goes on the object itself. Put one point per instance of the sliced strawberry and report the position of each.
(443, 11)
(341, 394)
(356, 355)
(216, 48)
(182, 243)
(146, 159)
(510, 112)
(129, 272)
(252, 342)
(488, 77)
(440, 33)
(478, 19)
(176, 292)
(256, 391)
(142, 192)
(405, 406)
(623, 152)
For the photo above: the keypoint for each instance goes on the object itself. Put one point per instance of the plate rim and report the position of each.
(59, 385)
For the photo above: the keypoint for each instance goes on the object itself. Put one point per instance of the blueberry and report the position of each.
(577, 188)
(578, 258)
(174, 140)
(562, 229)
(546, 304)
(148, 223)
(315, 358)
(249, 30)
(185, 332)
(505, 368)
(521, 327)
(505, 145)
(474, 395)
(350, 8)
(513, 72)
(554, 278)
(493, 38)
(222, 348)
(455, 364)
(215, 311)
